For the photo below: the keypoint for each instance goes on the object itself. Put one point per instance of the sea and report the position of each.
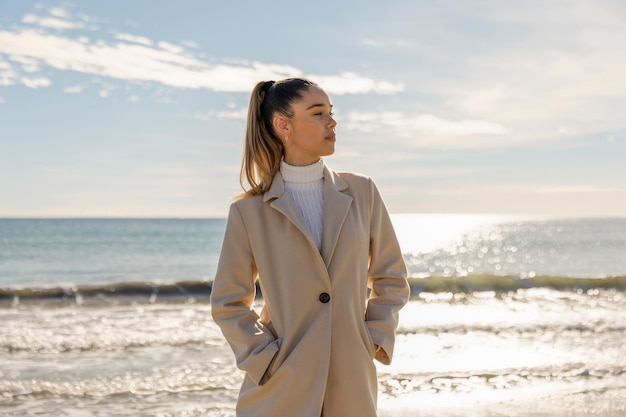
(509, 316)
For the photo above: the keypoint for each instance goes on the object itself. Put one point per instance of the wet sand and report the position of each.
(601, 403)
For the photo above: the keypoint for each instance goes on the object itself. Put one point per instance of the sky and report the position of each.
(137, 109)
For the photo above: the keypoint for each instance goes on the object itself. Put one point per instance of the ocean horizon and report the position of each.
(42, 252)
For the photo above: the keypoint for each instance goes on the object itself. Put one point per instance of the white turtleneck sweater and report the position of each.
(305, 186)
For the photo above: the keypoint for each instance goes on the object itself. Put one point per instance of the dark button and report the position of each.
(324, 297)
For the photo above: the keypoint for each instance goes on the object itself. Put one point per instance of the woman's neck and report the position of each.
(302, 174)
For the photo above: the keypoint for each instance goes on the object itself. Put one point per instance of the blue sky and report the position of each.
(137, 110)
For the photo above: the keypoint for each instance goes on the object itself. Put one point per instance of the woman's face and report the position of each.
(311, 131)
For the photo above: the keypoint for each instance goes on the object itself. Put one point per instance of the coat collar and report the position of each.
(277, 189)
(336, 206)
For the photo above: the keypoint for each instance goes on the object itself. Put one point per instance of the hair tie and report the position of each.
(267, 86)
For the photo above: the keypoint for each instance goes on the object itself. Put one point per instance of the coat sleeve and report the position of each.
(232, 295)
(386, 279)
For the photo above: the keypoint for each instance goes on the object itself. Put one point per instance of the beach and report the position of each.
(530, 352)
(515, 341)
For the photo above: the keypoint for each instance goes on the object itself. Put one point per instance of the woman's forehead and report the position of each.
(315, 95)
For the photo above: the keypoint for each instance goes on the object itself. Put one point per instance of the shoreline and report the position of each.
(151, 292)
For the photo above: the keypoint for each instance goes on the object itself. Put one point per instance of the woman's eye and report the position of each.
(322, 113)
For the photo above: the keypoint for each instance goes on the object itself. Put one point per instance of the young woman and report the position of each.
(317, 240)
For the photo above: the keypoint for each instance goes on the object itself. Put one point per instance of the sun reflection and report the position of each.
(420, 233)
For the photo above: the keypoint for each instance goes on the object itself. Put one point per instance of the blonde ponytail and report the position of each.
(263, 150)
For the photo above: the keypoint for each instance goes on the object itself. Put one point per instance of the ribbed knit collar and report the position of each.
(302, 174)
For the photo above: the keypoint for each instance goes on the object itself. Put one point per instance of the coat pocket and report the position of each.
(371, 346)
(273, 365)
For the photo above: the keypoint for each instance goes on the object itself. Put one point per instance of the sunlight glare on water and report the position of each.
(420, 233)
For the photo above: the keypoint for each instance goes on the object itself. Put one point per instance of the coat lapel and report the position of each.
(336, 206)
(280, 200)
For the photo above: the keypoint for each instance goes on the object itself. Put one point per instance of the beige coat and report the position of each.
(310, 350)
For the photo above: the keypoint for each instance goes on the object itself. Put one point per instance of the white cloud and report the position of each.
(516, 65)
(1, 100)
(35, 82)
(190, 44)
(24, 60)
(235, 114)
(29, 65)
(132, 38)
(168, 64)
(351, 83)
(432, 124)
(31, 68)
(175, 49)
(8, 76)
(59, 12)
(423, 123)
(51, 22)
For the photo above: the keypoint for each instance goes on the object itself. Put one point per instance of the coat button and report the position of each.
(324, 297)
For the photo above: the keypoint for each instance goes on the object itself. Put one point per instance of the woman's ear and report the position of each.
(282, 126)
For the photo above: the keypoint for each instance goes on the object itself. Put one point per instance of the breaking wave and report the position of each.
(184, 291)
